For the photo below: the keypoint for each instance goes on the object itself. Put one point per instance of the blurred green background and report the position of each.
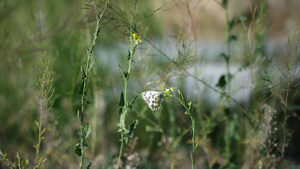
(64, 28)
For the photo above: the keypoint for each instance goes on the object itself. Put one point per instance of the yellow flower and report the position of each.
(137, 39)
(167, 91)
(172, 89)
(167, 94)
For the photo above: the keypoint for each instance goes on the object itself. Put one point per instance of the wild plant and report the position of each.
(124, 103)
(254, 132)
(16, 164)
(43, 92)
(258, 14)
(188, 111)
(178, 67)
(224, 84)
(85, 129)
(289, 75)
(281, 85)
(155, 99)
(260, 143)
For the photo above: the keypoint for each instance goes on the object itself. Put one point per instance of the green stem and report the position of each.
(193, 128)
(227, 39)
(193, 138)
(41, 112)
(83, 100)
(132, 51)
(252, 31)
(121, 150)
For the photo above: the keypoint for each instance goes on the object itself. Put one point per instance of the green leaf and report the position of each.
(232, 23)
(121, 102)
(89, 166)
(132, 102)
(222, 82)
(227, 112)
(87, 130)
(78, 150)
(24, 163)
(81, 85)
(78, 115)
(37, 124)
(145, 14)
(224, 56)
(180, 96)
(17, 161)
(129, 53)
(83, 74)
(134, 27)
(279, 149)
(120, 110)
(85, 144)
(87, 48)
(129, 56)
(132, 128)
(242, 20)
(88, 101)
(91, 65)
(125, 74)
(224, 3)
(232, 38)
(190, 104)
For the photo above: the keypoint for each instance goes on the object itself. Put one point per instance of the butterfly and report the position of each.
(154, 99)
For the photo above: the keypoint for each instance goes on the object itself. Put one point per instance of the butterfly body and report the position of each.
(153, 99)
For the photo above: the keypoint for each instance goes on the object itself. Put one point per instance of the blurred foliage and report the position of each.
(167, 57)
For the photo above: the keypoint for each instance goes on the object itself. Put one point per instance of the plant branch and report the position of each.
(286, 101)
(85, 80)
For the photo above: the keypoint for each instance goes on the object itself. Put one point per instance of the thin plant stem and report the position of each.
(133, 46)
(7, 161)
(193, 139)
(132, 51)
(193, 156)
(227, 38)
(43, 79)
(252, 29)
(121, 150)
(286, 102)
(227, 59)
(84, 91)
(41, 118)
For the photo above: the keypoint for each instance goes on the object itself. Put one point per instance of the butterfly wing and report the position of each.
(153, 99)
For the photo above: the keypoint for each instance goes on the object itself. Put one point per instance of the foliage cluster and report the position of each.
(93, 61)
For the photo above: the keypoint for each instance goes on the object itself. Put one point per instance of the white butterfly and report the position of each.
(154, 99)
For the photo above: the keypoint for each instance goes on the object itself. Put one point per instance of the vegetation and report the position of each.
(114, 86)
